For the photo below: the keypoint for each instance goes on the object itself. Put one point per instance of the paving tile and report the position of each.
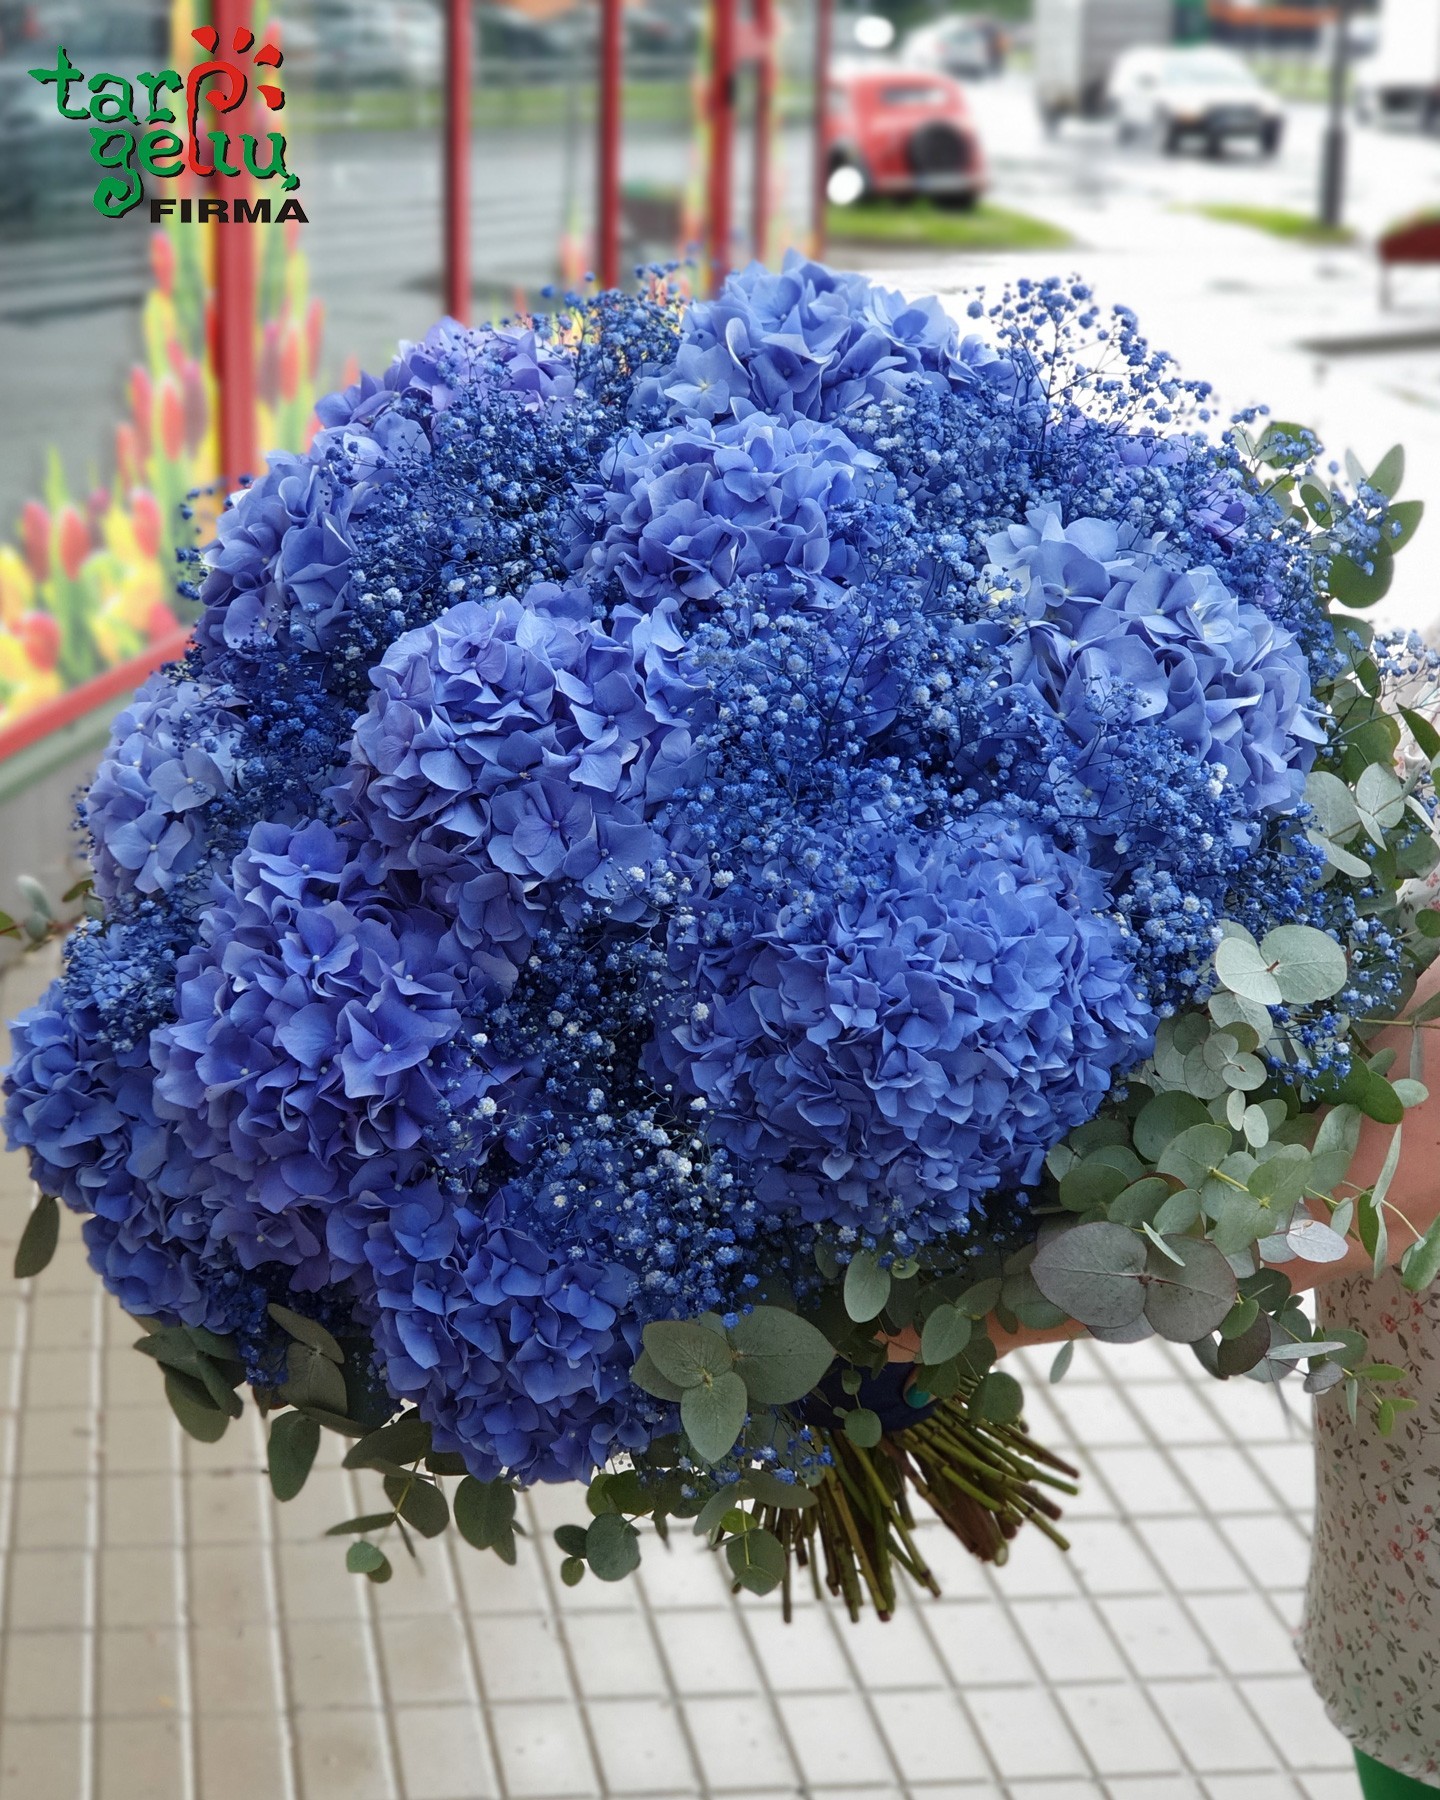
(929, 1737)
(641, 1745)
(426, 1660)
(706, 1651)
(328, 1663)
(139, 1671)
(521, 1659)
(834, 1739)
(48, 1589)
(240, 1758)
(141, 1759)
(1258, 1787)
(1116, 1725)
(235, 1667)
(1213, 1726)
(1335, 1786)
(1296, 1720)
(137, 1587)
(1226, 1480)
(1244, 1633)
(1193, 1554)
(1272, 1547)
(542, 1750)
(802, 1656)
(138, 1510)
(614, 1655)
(42, 1761)
(1157, 1636)
(62, 1442)
(46, 1675)
(342, 1756)
(1068, 1639)
(65, 1377)
(895, 1654)
(1110, 1556)
(226, 1506)
(53, 1512)
(1095, 1416)
(1147, 1787)
(739, 1745)
(137, 1440)
(978, 1643)
(1025, 1732)
(443, 1754)
(1144, 1482)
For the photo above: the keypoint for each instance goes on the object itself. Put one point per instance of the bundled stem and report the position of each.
(983, 1480)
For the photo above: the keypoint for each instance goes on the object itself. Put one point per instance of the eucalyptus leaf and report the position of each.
(39, 1238)
(780, 1356)
(1191, 1156)
(686, 1352)
(757, 1560)
(313, 1379)
(366, 1522)
(1092, 1272)
(1241, 967)
(404, 1441)
(193, 1407)
(1188, 1301)
(294, 1442)
(1162, 1119)
(713, 1414)
(945, 1334)
(645, 1373)
(485, 1513)
(364, 1558)
(1421, 1262)
(612, 1544)
(1316, 1242)
(1064, 1356)
(419, 1503)
(867, 1287)
(307, 1331)
(999, 1399)
(863, 1427)
(1308, 965)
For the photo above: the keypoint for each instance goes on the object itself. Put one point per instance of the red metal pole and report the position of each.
(824, 45)
(722, 137)
(764, 127)
(235, 291)
(612, 75)
(457, 160)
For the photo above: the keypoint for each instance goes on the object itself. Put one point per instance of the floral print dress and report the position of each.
(1371, 1634)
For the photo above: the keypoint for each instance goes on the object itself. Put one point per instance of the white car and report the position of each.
(1199, 95)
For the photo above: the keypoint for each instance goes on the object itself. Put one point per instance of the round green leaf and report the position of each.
(685, 1352)
(419, 1503)
(999, 1399)
(1240, 967)
(572, 1571)
(945, 1334)
(404, 1441)
(485, 1512)
(713, 1414)
(294, 1440)
(1161, 1120)
(867, 1287)
(757, 1560)
(39, 1238)
(1187, 1300)
(194, 1408)
(1092, 1272)
(612, 1544)
(306, 1331)
(779, 1355)
(645, 1373)
(365, 1559)
(314, 1379)
(863, 1427)
(1191, 1156)
(1308, 966)
(1140, 1201)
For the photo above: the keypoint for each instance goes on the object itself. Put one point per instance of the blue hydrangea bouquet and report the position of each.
(708, 864)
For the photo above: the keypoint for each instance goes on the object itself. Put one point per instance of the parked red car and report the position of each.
(896, 131)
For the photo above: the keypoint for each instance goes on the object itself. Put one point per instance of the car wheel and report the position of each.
(1170, 138)
(957, 202)
(1270, 137)
(1214, 146)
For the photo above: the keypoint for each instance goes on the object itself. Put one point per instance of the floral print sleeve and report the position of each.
(1371, 1634)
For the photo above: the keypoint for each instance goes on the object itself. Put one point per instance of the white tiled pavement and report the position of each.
(170, 1633)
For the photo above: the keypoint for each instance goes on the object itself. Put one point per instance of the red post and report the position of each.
(824, 45)
(612, 76)
(722, 137)
(235, 292)
(457, 159)
(764, 127)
